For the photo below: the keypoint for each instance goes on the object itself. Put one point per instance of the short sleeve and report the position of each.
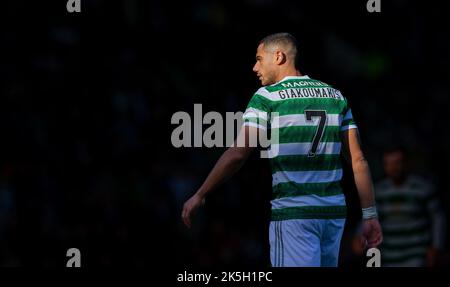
(347, 121)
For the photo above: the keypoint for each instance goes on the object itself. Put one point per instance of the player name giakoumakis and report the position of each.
(308, 89)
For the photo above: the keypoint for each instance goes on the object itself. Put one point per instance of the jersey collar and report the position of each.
(292, 78)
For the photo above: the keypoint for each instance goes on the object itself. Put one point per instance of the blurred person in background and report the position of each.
(410, 214)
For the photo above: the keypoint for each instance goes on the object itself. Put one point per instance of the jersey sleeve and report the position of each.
(347, 121)
(257, 112)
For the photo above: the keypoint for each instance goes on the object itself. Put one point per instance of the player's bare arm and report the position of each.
(363, 180)
(228, 164)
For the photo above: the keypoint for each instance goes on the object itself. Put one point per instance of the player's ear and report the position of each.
(280, 57)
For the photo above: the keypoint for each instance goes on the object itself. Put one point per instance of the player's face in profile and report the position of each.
(264, 66)
(394, 164)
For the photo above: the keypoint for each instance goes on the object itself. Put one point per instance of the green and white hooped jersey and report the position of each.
(309, 117)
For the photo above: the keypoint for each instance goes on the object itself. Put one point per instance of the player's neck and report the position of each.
(399, 181)
(289, 73)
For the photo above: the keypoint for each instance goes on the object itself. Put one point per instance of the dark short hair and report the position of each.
(396, 148)
(284, 39)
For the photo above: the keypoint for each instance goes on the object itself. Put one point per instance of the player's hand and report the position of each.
(372, 232)
(432, 255)
(190, 206)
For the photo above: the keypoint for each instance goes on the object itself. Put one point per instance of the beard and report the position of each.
(268, 79)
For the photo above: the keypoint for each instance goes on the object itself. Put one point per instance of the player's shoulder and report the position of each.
(383, 185)
(419, 182)
(263, 92)
(327, 85)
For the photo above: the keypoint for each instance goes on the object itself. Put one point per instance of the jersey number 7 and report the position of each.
(309, 114)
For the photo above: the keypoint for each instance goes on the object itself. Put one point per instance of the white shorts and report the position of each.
(305, 242)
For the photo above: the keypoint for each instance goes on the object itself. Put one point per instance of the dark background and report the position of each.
(86, 101)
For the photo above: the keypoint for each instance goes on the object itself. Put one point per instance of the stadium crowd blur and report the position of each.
(86, 102)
